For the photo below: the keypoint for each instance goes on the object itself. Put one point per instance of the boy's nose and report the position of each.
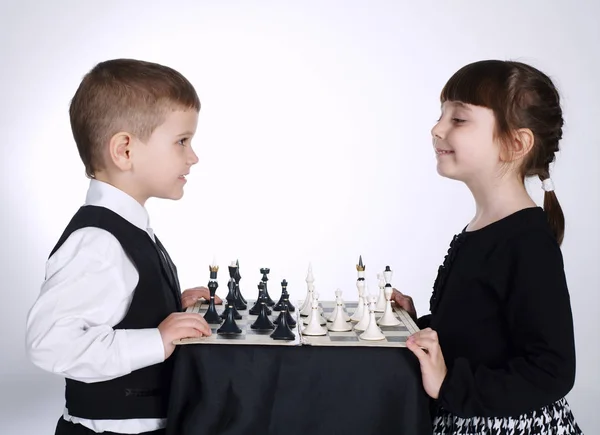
(193, 157)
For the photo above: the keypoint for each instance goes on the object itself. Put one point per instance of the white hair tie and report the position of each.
(548, 185)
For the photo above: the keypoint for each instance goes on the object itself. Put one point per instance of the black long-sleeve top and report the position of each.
(502, 312)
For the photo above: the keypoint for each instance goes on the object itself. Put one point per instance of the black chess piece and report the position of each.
(283, 331)
(237, 301)
(284, 295)
(229, 327)
(255, 310)
(211, 315)
(265, 271)
(238, 278)
(263, 322)
(288, 317)
(230, 301)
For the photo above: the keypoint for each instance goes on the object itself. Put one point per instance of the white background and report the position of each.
(314, 146)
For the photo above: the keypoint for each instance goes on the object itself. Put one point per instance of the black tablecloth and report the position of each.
(247, 389)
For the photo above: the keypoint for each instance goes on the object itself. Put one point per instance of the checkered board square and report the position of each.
(248, 335)
(395, 336)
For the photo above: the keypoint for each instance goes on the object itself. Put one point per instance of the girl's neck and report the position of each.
(496, 199)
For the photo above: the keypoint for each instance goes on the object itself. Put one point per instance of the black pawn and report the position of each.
(255, 310)
(265, 271)
(262, 322)
(229, 327)
(283, 331)
(284, 295)
(211, 315)
(288, 318)
(231, 303)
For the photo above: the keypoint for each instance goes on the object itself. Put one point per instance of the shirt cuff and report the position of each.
(145, 347)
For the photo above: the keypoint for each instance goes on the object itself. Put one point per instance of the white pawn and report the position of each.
(358, 313)
(372, 332)
(320, 318)
(365, 319)
(388, 318)
(314, 327)
(339, 324)
(338, 295)
(380, 308)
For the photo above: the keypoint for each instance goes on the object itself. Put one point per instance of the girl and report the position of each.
(497, 351)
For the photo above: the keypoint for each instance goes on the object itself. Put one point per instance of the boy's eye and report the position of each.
(183, 141)
(458, 120)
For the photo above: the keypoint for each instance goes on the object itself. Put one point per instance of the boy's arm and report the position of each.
(88, 289)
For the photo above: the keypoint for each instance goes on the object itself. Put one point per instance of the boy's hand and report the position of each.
(181, 325)
(404, 302)
(192, 295)
(425, 345)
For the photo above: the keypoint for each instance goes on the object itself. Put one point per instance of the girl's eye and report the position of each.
(183, 141)
(458, 120)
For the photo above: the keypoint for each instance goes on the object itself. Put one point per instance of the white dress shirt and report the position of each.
(87, 290)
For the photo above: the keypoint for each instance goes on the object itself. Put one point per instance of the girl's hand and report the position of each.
(192, 295)
(404, 302)
(433, 367)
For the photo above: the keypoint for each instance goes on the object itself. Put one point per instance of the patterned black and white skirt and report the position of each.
(555, 419)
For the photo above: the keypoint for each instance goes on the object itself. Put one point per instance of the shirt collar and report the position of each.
(105, 195)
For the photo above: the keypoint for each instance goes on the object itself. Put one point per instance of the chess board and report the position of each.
(248, 335)
(395, 336)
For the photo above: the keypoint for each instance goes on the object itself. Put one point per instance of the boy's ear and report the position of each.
(119, 150)
(521, 144)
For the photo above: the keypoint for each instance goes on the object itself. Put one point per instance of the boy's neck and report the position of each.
(497, 199)
(122, 185)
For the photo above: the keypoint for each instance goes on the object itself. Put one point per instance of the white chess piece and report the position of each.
(305, 307)
(380, 307)
(388, 318)
(339, 324)
(363, 323)
(358, 313)
(372, 332)
(338, 295)
(314, 327)
(320, 318)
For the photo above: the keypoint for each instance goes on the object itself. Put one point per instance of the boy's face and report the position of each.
(161, 164)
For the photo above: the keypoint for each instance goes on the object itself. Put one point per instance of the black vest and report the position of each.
(144, 392)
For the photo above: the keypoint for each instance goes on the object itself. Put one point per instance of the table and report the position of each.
(301, 390)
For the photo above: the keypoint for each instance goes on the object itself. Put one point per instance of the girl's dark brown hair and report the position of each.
(520, 97)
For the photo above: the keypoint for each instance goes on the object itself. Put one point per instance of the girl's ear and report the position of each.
(520, 145)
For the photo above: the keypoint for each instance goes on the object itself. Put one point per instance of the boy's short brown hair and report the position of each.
(124, 95)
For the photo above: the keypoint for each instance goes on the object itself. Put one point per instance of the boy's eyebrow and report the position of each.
(459, 104)
(186, 133)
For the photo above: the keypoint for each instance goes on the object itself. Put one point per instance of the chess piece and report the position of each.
(211, 316)
(314, 327)
(380, 307)
(231, 297)
(320, 318)
(360, 308)
(387, 276)
(372, 332)
(388, 318)
(284, 296)
(305, 307)
(289, 319)
(238, 278)
(338, 295)
(265, 271)
(262, 322)
(237, 300)
(339, 323)
(229, 327)
(363, 323)
(255, 310)
(283, 330)
(360, 285)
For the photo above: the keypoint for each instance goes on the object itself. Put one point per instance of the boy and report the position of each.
(110, 306)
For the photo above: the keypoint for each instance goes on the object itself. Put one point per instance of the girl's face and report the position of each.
(464, 143)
